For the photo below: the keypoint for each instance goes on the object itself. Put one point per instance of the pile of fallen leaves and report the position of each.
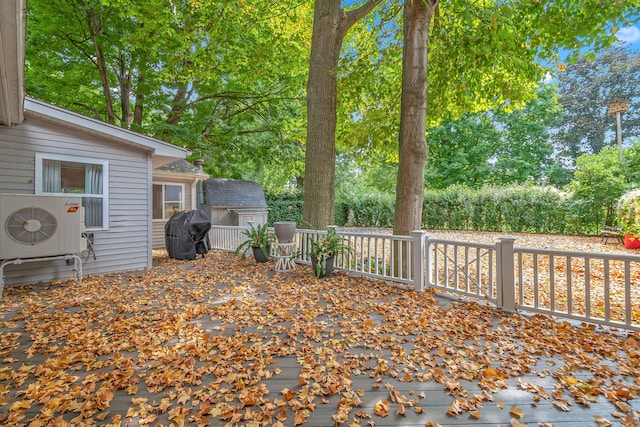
(220, 341)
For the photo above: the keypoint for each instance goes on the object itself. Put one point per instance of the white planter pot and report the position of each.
(285, 231)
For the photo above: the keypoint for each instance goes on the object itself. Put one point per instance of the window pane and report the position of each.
(51, 170)
(173, 193)
(157, 201)
(72, 177)
(171, 208)
(92, 212)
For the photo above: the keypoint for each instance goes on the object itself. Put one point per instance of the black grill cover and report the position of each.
(186, 234)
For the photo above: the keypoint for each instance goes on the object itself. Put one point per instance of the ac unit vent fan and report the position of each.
(31, 225)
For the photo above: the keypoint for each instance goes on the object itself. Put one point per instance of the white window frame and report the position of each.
(41, 157)
(164, 184)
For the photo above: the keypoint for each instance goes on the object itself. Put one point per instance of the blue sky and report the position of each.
(630, 35)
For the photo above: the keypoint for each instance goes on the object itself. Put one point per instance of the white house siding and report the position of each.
(159, 241)
(126, 243)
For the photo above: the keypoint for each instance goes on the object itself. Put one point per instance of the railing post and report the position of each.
(418, 260)
(506, 295)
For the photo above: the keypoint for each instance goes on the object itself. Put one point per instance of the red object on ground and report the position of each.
(631, 241)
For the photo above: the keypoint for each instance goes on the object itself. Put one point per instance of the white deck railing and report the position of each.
(462, 268)
(590, 287)
(383, 256)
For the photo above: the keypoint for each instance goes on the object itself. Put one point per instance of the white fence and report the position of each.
(590, 287)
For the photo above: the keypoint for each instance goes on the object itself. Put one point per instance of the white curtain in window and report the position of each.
(93, 205)
(51, 176)
(93, 179)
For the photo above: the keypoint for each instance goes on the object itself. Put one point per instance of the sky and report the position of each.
(630, 35)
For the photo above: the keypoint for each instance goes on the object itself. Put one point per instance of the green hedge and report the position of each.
(285, 207)
(506, 209)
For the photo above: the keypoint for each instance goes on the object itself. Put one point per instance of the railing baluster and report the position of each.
(536, 294)
(628, 315)
(552, 283)
(587, 287)
(478, 271)
(520, 280)
(607, 291)
(569, 273)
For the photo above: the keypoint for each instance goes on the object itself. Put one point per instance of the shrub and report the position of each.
(628, 212)
(285, 207)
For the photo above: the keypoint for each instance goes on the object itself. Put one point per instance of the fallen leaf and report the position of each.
(516, 412)
(381, 408)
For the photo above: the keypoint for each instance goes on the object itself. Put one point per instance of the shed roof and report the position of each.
(234, 193)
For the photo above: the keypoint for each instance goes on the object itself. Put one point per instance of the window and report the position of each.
(73, 175)
(167, 200)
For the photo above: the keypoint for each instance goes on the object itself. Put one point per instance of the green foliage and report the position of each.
(514, 208)
(598, 182)
(490, 208)
(323, 247)
(257, 237)
(373, 209)
(460, 150)
(628, 212)
(224, 80)
(285, 206)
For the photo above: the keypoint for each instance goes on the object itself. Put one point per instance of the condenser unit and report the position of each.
(36, 226)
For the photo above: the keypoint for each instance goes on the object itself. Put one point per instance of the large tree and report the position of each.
(586, 88)
(412, 139)
(330, 25)
(206, 75)
(489, 55)
(496, 146)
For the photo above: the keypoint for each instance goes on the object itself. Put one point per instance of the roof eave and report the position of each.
(163, 151)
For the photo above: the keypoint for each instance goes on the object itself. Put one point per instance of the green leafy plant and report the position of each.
(257, 237)
(628, 212)
(322, 247)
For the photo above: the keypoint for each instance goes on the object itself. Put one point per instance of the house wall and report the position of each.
(158, 241)
(125, 245)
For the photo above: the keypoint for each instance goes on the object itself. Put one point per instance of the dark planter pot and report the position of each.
(328, 270)
(631, 241)
(259, 254)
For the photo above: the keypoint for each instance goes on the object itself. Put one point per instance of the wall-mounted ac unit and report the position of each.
(40, 225)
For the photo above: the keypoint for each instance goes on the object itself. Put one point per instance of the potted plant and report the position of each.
(259, 239)
(628, 216)
(324, 249)
(285, 230)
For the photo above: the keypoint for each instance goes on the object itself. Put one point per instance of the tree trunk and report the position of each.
(330, 24)
(138, 107)
(94, 23)
(179, 100)
(125, 90)
(413, 113)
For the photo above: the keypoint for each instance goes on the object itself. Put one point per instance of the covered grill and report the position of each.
(186, 234)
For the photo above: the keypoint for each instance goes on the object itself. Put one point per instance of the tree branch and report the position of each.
(353, 16)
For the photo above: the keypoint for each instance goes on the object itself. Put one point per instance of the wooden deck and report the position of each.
(218, 341)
